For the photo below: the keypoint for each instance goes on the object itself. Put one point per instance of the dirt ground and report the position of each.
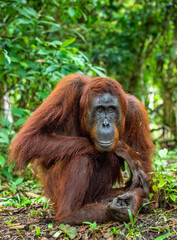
(35, 223)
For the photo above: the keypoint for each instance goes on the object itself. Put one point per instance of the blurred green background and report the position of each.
(132, 41)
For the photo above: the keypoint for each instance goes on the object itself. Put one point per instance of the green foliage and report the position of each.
(16, 201)
(133, 233)
(68, 230)
(165, 178)
(42, 41)
(10, 224)
(36, 51)
(131, 41)
(92, 225)
(116, 232)
(57, 234)
(37, 230)
(164, 236)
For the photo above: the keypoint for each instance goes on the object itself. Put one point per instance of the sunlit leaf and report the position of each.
(71, 12)
(163, 152)
(68, 42)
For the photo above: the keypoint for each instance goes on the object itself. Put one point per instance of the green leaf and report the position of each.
(150, 196)
(80, 35)
(173, 166)
(127, 226)
(15, 60)
(55, 27)
(174, 52)
(18, 181)
(173, 197)
(7, 174)
(2, 57)
(50, 225)
(93, 225)
(27, 12)
(55, 43)
(50, 18)
(38, 231)
(42, 95)
(155, 189)
(51, 68)
(2, 161)
(163, 152)
(20, 121)
(161, 184)
(7, 57)
(87, 223)
(57, 234)
(68, 42)
(24, 64)
(97, 71)
(131, 217)
(67, 229)
(43, 51)
(71, 12)
(4, 138)
(22, 71)
(24, 21)
(19, 112)
(164, 236)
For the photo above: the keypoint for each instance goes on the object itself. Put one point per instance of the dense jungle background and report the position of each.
(132, 41)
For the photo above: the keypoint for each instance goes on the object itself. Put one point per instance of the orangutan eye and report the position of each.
(100, 109)
(111, 109)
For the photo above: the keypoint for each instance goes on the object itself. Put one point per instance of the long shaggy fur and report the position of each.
(76, 177)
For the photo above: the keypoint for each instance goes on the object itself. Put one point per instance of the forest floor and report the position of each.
(34, 222)
(26, 214)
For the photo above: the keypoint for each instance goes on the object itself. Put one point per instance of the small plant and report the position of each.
(165, 180)
(116, 232)
(36, 213)
(93, 225)
(50, 225)
(9, 223)
(132, 221)
(68, 230)
(133, 232)
(164, 236)
(37, 230)
(46, 204)
(160, 162)
(16, 201)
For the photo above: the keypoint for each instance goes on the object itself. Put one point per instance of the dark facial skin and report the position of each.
(102, 121)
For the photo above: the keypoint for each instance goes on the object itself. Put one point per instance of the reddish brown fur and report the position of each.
(137, 134)
(116, 138)
(76, 176)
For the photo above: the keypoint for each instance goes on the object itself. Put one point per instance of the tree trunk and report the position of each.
(169, 86)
